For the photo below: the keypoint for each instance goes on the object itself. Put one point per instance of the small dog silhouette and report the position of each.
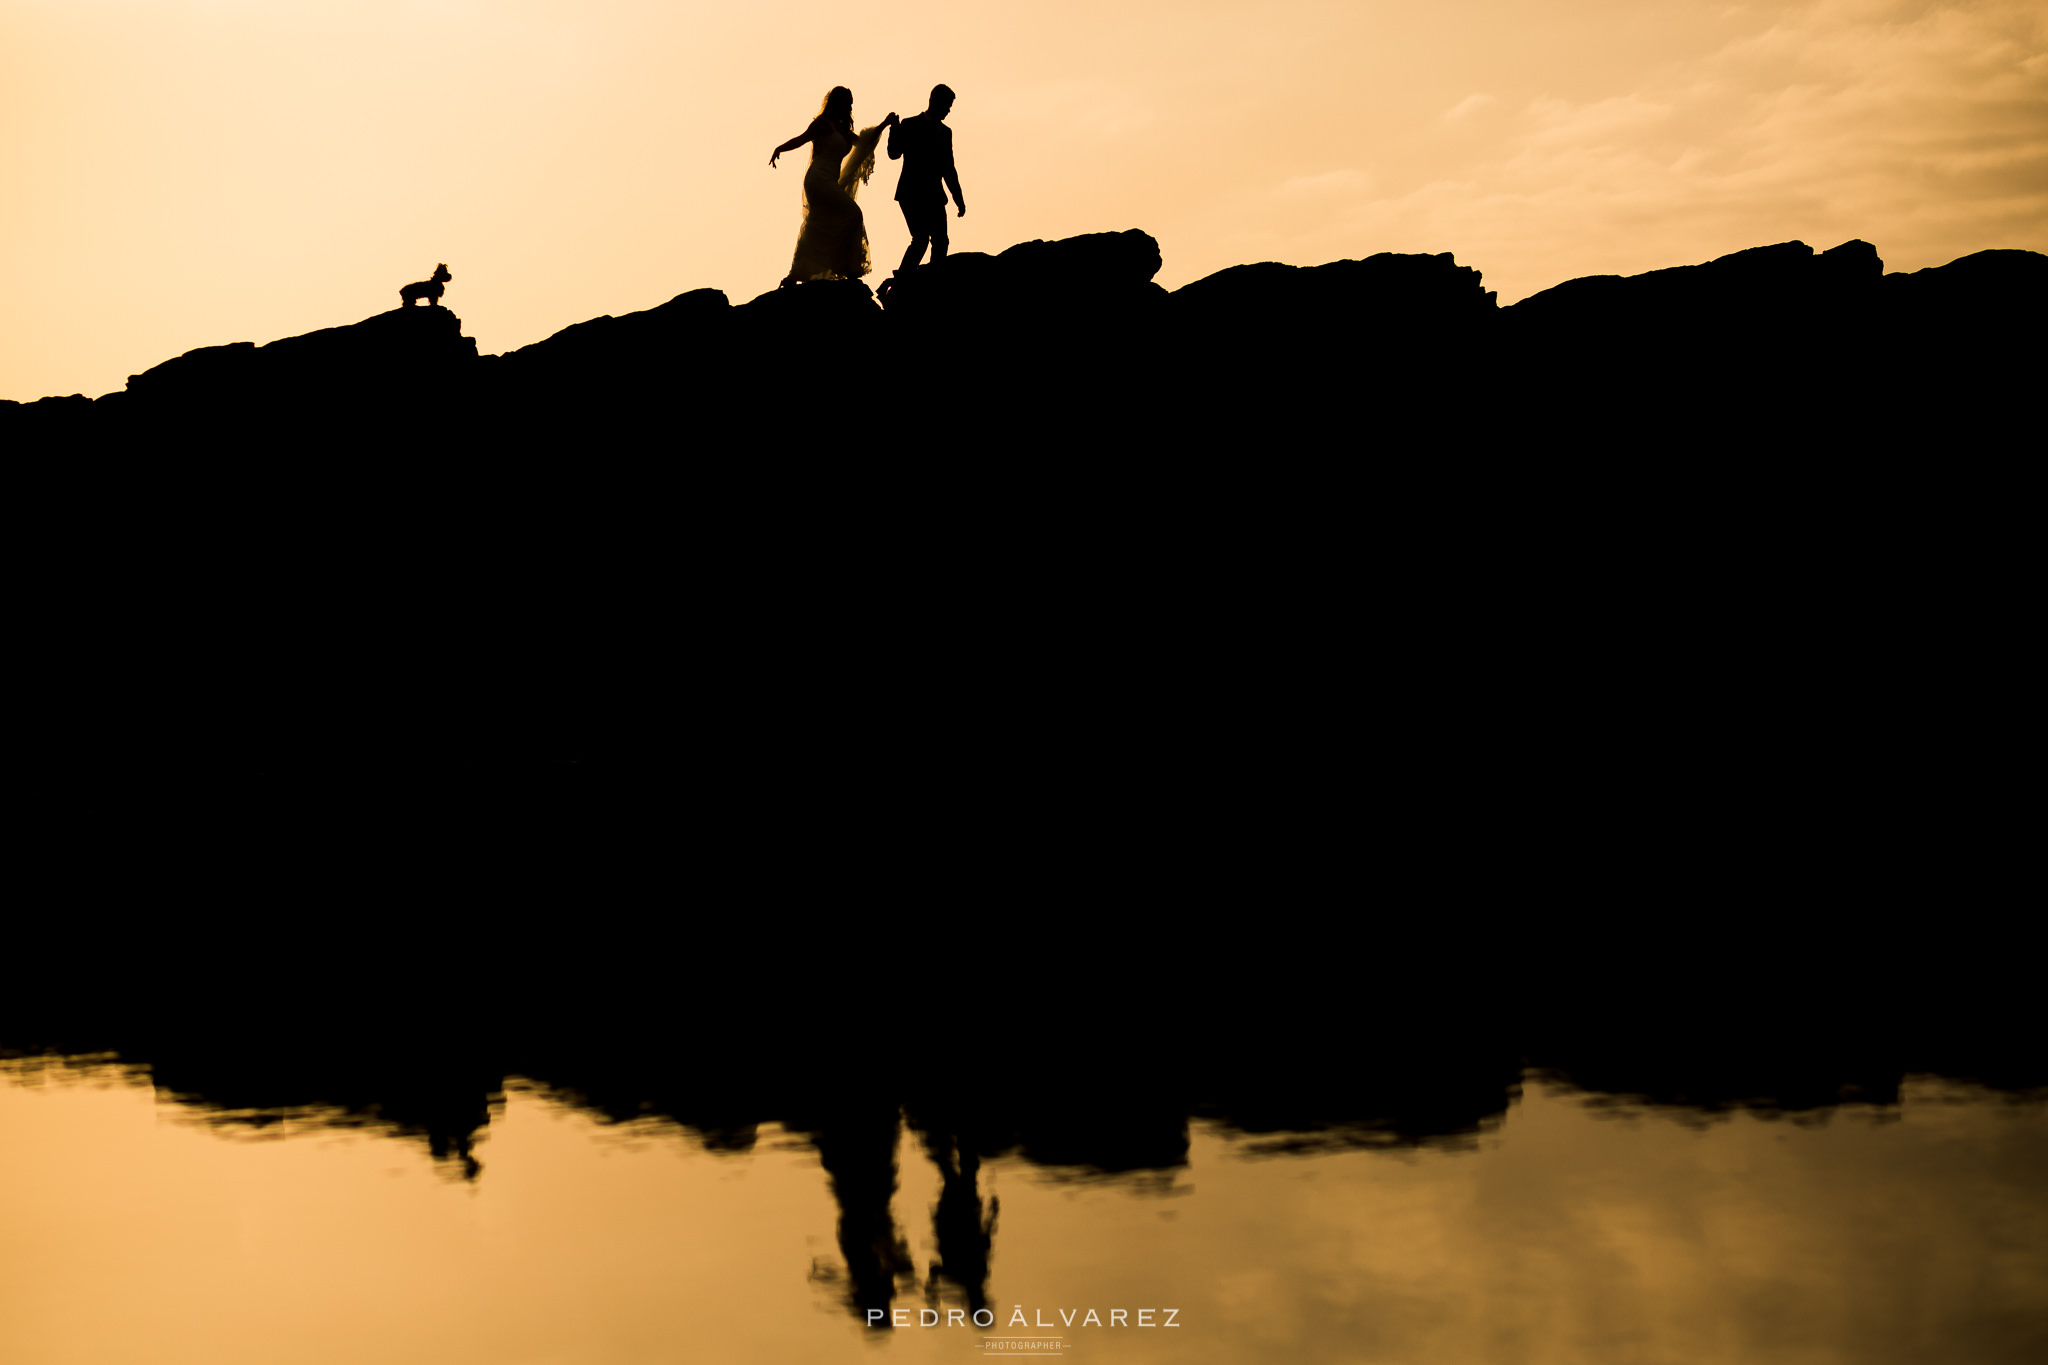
(430, 290)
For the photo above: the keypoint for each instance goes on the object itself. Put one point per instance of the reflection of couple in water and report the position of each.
(833, 243)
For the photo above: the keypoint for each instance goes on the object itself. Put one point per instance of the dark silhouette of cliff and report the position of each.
(1294, 531)
(1712, 567)
(1072, 344)
(393, 374)
(1781, 349)
(1054, 349)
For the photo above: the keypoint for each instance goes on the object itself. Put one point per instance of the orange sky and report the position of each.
(181, 173)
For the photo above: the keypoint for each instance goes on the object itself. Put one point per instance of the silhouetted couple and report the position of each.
(833, 242)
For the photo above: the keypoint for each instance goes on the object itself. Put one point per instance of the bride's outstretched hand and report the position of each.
(774, 157)
(891, 121)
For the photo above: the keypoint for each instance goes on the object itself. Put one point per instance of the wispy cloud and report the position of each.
(1922, 127)
(1329, 183)
(1468, 106)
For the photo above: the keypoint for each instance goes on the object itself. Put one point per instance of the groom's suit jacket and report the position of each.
(926, 147)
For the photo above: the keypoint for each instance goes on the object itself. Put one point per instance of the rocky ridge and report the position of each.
(1068, 345)
(1282, 530)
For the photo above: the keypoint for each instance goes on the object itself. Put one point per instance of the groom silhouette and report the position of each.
(925, 145)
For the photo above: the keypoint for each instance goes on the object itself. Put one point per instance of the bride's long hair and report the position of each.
(837, 109)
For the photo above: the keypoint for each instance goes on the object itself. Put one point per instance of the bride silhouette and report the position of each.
(833, 242)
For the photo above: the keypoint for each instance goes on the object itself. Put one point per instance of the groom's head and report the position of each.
(942, 101)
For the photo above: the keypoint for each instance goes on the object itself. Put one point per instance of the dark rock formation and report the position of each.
(1069, 357)
(1744, 292)
(1102, 273)
(1253, 525)
(1968, 335)
(1290, 566)
(676, 333)
(1306, 353)
(1996, 289)
(403, 371)
(1776, 348)
(50, 419)
(1073, 346)
(1378, 299)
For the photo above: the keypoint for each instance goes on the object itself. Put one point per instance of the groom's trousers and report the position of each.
(927, 226)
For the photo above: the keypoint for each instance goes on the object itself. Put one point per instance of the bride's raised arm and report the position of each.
(799, 140)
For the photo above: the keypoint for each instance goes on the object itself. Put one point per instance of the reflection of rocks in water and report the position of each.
(963, 1227)
(407, 1092)
(858, 1150)
(1414, 1044)
(1113, 1093)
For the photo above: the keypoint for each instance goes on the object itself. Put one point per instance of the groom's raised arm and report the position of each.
(895, 152)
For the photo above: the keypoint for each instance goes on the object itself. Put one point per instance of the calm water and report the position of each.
(1569, 1227)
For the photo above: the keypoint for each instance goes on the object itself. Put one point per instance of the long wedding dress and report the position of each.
(833, 242)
